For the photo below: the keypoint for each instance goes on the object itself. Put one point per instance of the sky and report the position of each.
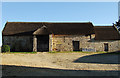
(99, 13)
(119, 9)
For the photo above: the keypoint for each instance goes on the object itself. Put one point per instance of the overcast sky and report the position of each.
(99, 13)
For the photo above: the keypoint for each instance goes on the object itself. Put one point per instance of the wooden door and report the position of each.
(43, 43)
(105, 46)
(75, 45)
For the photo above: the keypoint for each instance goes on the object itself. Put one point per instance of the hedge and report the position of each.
(5, 48)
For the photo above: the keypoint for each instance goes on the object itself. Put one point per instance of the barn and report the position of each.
(60, 36)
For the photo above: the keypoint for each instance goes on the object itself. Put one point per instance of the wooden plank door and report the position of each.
(75, 45)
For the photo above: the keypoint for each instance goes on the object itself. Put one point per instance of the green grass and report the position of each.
(69, 52)
(102, 52)
(75, 52)
(23, 52)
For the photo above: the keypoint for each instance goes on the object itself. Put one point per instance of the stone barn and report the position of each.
(107, 38)
(48, 36)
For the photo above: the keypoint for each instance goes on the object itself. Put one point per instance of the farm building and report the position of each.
(56, 36)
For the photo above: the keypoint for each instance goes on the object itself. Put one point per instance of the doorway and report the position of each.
(43, 43)
(105, 46)
(75, 45)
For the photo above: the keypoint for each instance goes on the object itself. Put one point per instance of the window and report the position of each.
(8, 43)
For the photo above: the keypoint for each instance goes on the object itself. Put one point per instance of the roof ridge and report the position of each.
(49, 22)
(103, 26)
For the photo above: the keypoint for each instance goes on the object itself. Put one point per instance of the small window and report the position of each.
(8, 43)
(86, 35)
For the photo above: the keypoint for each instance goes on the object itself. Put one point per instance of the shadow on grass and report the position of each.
(11, 70)
(103, 58)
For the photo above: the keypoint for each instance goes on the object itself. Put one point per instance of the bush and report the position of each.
(5, 48)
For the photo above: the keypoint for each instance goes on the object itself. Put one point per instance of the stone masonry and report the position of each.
(64, 43)
(60, 43)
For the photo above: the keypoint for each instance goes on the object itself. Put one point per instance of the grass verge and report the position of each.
(117, 52)
(75, 52)
(23, 52)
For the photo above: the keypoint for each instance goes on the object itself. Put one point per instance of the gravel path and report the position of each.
(73, 63)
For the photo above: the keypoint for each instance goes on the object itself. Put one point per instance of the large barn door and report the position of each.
(105, 46)
(75, 45)
(43, 43)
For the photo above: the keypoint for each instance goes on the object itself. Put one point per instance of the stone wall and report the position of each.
(18, 43)
(61, 43)
(64, 43)
(50, 42)
(113, 45)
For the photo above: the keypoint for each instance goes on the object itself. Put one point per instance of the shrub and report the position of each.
(5, 48)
